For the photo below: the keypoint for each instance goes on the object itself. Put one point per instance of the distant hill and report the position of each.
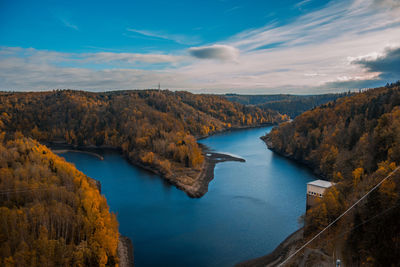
(355, 142)
(292, 105)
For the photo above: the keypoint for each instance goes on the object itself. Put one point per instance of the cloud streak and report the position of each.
(69, 24)
(177, 38)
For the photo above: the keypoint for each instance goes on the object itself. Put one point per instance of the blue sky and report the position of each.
(287, 46)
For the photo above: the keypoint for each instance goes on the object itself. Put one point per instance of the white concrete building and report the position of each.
(315, 190)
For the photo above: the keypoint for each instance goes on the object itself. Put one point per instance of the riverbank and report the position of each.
(308, 257)
(60, 151)
(305, 163)
(193, 182)
(197, 186)
(125, 246)
(243, 194)
(279, 254)
(293, 241)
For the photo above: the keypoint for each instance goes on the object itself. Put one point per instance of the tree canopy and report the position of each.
(51, 214)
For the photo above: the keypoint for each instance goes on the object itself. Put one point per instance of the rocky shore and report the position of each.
(125, 252)
(307, 257)
(199, 187)
(281, 252)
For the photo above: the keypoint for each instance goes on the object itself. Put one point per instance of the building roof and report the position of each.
(321, 183)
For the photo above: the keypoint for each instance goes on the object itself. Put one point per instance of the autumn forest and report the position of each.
(54, 214)
(62, 219)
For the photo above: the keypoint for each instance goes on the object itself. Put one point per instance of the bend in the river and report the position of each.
(249, 209)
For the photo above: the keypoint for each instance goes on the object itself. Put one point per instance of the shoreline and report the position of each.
(195, 190)
(279, 254)
(200, 186)
(125, 246)
(290, 243)
(304, 163)
(61, 151)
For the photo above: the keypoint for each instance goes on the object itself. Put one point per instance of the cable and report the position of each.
(362, 223)
(340, 216)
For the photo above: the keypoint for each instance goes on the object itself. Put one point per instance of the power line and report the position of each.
(364, 222)
(340, 216)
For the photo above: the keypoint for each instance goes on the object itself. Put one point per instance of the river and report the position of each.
(249, 209)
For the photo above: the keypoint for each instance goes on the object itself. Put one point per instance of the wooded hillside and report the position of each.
(154, 128)
(50, 213)
(354, 142)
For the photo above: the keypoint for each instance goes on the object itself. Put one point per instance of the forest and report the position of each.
(291, 105)
(51, 214)
(54, 215)
(152, 128)
(354, 142)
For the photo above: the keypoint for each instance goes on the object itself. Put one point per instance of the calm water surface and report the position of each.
(250, 207)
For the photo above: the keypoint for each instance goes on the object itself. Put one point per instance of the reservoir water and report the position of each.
(249, 209)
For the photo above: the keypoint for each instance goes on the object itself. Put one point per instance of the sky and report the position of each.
(208, 46)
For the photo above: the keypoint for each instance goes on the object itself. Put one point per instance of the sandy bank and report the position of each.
(200, 186)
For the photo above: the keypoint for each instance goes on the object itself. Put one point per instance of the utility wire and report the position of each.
(362, 223)
(340, 216)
